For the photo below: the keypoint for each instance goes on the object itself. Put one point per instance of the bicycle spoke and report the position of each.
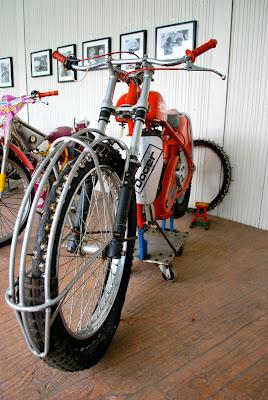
(16, 185)
(89, 295)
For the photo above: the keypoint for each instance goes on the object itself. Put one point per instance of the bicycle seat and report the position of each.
(173, 118)
(60, 132)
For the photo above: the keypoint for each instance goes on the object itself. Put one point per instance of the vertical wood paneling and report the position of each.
(12, 45)
(201, 95)
(52, 23)
(246, 139)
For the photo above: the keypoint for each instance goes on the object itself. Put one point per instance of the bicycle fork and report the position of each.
(127, 188)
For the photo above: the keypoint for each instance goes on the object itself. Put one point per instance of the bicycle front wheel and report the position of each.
(88, 316)
(17, 181)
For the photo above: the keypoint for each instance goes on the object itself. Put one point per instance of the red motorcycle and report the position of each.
(69, 302)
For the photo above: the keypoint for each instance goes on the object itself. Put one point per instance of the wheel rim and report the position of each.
(17, 183)
(88, 303)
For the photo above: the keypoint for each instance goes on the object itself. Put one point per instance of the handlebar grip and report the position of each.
(192, 54)
(46, 94)
(58, 56)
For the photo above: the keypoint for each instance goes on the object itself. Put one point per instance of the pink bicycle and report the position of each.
(19, 155)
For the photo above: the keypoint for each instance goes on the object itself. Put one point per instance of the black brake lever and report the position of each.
(70, 61)
(34, 93)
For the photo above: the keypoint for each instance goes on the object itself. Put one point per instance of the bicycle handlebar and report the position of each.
(70, 63)
(192, 54)
(59, 57)
(46, 94)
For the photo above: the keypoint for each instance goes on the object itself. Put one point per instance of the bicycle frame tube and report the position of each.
(23, 133)
(8, 108)
(23, 158)
(5, 146)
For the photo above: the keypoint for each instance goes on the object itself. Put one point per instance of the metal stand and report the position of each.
(143, 244)
(171, 225)
(200, 217)
(160, 245)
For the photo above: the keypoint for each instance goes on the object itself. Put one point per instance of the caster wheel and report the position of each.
(207, 228)
(179, 253)
(191, 226)
(169, 276)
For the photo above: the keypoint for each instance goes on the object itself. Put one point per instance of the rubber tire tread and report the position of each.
(15, 159)
(67, 353)
(180, 209)
(227, 171)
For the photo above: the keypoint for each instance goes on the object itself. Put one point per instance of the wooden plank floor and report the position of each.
(204, 336)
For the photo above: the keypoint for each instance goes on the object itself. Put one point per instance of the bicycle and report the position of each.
(69, 302)
(19, 155)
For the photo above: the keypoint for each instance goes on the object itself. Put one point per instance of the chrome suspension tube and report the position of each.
(107, 103)
(140, 114)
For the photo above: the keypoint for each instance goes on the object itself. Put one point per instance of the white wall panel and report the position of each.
(12, 45)
(55, 23)
(203, 96)
(241, 126)
(246, 138)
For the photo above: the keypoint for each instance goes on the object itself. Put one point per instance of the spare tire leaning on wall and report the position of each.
(226, 171)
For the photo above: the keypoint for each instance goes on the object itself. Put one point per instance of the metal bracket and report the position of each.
(143, 248)
(158, 251)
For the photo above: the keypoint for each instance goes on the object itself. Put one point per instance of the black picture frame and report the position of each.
(171, 41)
(135, 42)
(96, 47)
(63, 75)
(41, 63)
(6, 72)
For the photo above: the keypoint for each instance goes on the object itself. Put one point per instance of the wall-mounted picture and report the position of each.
(41, 63)
(64, 75)
(96, 48)
(134, 42)
(6, 72)
(171, 41)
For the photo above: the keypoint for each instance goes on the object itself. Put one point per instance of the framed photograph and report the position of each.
(63, 75)
(171, 41)
(95, 48)
(41, 63)
(6, 72)
(134, 42)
